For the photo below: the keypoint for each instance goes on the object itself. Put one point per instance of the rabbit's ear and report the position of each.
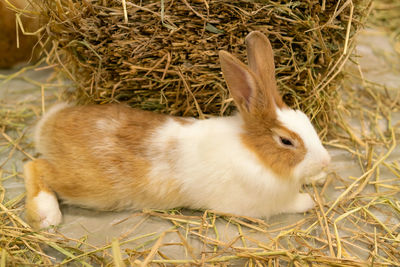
(261, 62)
(245, 87)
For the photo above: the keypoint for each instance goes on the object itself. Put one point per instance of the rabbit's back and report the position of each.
(102, 154)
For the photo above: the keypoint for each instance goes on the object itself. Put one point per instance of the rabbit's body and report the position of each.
(113, 157)
(160, 162)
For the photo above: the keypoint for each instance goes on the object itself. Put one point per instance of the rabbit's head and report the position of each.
(283, 139)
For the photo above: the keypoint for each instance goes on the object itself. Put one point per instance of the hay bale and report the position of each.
(15, 47)
(163, 55)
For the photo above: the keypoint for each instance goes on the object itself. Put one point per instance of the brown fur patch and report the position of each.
(258, 137)
(103, 168)
(245, 87)
(261, 61)
(33, 175)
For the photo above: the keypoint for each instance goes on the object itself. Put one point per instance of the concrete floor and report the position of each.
(100, 228)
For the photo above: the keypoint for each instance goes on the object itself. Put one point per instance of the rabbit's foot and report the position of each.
(301, 203)
(43, 210)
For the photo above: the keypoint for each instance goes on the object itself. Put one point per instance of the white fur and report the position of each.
(216, 171)
(301, 203)
(319, 179)
(48, 209)
(316, 156)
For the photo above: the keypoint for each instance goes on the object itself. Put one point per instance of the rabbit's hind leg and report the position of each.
(42, 209)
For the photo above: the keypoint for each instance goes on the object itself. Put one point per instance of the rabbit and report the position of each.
(113, 157)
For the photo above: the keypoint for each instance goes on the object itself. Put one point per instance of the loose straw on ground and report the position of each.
(356, 227)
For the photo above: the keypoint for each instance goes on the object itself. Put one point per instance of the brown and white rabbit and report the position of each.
(113, 157)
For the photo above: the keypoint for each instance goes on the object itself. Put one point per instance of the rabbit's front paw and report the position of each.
(301, 203)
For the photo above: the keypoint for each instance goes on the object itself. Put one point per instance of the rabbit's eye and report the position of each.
(286, 141)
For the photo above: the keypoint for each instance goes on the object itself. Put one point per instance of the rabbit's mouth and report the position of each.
(312, 172)
(318, 178)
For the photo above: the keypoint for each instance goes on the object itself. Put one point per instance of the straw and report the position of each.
(356, 219)
(166, 57)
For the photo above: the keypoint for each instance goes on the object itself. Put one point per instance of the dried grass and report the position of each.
(163, 55)
(356, 221)
(359, 227)
(386, 15)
